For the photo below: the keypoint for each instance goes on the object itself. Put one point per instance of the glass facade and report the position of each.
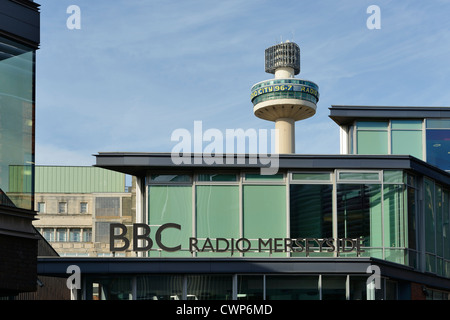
(403, 137)
(242, 287)
(256, 214)
(387, 137)
(17, 81)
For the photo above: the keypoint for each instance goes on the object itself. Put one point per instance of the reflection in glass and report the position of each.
(311, 210)
(209, 287)
(358, 288)
(359, 212)
(159, 287)
(16, 124)
(438, 146)
(333, 287)
(111, 288)
(250, 288)
(292, 287)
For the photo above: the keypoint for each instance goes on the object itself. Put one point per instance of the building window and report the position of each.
(160, 287)
(217, 212)
(48, 234)
(41, 207)
(83, 207)
(406, 137)
(264, 215)
(62, 207)
(282, 287)
(311, 210)
(438, 143)
(250, 287)
(172, 203)
(61, 234)
(387, 137)
(87, 235)
(209, 287)
(359, 215)
(372, 137)
(75, 235)
(107, 206)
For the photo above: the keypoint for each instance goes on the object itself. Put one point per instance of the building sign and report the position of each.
(283, 88)
(142, 242)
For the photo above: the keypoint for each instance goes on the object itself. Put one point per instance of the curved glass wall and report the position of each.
(285, 95)
(285, 89)
(290, 214)
(16, 124)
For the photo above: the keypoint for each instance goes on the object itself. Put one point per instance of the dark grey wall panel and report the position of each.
(20, 21)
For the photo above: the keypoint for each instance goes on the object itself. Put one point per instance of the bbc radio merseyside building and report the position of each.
(369, 223)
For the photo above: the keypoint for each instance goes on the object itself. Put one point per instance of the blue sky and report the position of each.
(139, 69)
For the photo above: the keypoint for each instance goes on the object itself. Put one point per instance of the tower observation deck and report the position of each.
(284, 99)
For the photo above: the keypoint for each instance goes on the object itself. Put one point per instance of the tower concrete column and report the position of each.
(285, 142)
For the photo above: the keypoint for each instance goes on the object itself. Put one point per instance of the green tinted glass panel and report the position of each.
(311, 211)
(264, 212)
(312, 176)
(371, 125)
(359, 176)
(170, 178)
(438, 123)
(171, 204)
(359, 212)
(16, 124)
(406, 124)
(394, 224)
(217, 177)
(372, 142)
(407, 143)
(259, 177)
(392, 176)
(217, 213)
(439, 226)
(430, 228)
(446, 222)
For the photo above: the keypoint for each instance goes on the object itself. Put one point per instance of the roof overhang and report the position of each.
(139, 164)
(20, 21)
(346, 115)
(58, 266)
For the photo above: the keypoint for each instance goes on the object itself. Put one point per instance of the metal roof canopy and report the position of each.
(345, 115)
(138, 164)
